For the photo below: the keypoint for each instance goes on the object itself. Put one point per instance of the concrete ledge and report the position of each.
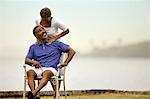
(71, 92)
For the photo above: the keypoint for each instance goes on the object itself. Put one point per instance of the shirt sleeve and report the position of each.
(60, 25)
(37, 22)
(62, 46)
(30, 54)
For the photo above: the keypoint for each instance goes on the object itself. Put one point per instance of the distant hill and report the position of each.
(141, 49)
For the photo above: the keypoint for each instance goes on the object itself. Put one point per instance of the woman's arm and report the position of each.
(58, 36)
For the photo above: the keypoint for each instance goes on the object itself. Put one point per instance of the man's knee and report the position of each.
(31, 73)
(47, 73)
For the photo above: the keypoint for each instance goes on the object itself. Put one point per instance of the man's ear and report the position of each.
(36, 35)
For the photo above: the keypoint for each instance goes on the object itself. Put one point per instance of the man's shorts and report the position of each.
(39, 71)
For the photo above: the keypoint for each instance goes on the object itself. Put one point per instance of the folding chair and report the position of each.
(54, 79)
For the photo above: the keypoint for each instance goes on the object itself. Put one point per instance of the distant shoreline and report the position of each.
(136, 50)
(72, 92)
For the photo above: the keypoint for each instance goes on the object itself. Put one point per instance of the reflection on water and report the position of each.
(87, 73)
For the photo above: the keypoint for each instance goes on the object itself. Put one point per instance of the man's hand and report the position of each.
(62, 65)
(36, 64)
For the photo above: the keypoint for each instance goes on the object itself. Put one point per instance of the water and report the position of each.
(130, 74)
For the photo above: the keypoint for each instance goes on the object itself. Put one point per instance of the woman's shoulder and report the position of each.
(56, 20)
(37, 21)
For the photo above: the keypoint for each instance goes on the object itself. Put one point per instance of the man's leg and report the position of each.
(31, 76)
(54, 87)
(45, 77)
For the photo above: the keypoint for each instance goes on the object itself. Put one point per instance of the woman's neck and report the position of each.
(46, 22)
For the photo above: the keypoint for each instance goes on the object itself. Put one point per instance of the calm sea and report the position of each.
(132, 74)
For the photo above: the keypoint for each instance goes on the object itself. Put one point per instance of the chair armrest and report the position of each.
(61, 66)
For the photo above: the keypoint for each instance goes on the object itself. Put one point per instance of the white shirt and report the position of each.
(55, 26)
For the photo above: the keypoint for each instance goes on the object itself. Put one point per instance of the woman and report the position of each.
(51, 25)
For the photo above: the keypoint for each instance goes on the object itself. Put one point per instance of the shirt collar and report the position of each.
(46, 43)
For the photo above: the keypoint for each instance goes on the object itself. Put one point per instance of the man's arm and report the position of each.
(70, 55)
(32, 62)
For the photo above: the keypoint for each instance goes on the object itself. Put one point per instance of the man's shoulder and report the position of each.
(33, 45)
(57, 42)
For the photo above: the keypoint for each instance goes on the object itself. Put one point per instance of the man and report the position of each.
(44, 58)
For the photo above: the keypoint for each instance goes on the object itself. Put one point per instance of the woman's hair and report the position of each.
(45, 12)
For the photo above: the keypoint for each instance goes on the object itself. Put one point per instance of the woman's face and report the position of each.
(48, 19)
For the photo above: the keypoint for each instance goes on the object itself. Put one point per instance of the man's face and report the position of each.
(41, 33)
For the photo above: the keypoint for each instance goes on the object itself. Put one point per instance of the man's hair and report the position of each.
(35, 30)
(45, 12)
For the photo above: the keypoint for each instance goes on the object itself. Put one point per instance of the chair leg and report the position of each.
(24, 91)
(25, 80)
(64, 88)
(57, 88)
(64, 84)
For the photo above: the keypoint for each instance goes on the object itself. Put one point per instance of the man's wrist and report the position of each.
(65, 64)
(33, 62)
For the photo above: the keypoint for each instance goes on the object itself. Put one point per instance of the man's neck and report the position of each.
(41, 41)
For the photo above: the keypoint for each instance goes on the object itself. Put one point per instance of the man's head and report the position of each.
(39, 32)
(45, 12)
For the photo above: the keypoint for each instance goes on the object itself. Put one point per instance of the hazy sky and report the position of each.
(91, 22)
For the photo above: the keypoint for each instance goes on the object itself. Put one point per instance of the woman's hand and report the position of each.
(52, 40)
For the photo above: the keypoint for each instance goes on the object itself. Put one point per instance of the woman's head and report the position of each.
(45, 12)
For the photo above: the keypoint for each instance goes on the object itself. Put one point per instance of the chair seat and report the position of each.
(54, 77)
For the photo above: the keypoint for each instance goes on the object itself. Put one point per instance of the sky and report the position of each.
(91, 23)
(101, 23)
